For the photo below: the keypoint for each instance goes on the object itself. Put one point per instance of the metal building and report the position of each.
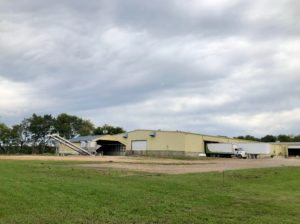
(167, 143)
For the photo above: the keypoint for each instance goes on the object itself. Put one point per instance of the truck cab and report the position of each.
(239, 152)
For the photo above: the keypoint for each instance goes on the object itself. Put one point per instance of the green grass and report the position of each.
(55, 192)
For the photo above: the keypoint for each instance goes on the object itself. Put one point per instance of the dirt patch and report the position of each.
(111, 159)
(199, 167)
(168, 166)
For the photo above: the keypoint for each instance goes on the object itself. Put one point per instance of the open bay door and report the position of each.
(294, 150)
(110, 146)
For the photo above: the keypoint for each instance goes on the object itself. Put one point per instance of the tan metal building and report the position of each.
(163, 143)
(167, 143)
(286, 148)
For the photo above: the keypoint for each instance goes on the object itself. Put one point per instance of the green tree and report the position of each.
(108, 129)
(251, 138)
(66, 125)
(15, 131)
(248, 137)
(4, 134)
(268, 138)
(86, 127)
(296, 138)
(24, 132)
(40, 127)
(69, 125)
(284, 138)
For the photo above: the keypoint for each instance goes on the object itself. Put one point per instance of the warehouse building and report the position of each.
(150, 142)
(167, 143)
(170, 143)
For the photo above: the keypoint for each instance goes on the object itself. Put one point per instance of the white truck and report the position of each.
(225, 150)
(254, 150)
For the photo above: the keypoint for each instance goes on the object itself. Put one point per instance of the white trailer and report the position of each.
(255, 148)
(225, 150)
(252, 150)
(220, 148)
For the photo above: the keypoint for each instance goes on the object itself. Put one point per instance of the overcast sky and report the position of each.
(223, 67)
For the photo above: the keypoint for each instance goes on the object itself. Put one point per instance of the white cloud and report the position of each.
(15, 98)
(221, 67)
(278, 122)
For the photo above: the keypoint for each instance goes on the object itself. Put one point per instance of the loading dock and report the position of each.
(111, 148)
(208, 154)
(294, 150)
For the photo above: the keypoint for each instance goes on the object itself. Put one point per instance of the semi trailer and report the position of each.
(241, 150)
(256, 148)
(225, 150)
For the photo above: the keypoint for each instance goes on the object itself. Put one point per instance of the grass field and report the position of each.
(57, 192)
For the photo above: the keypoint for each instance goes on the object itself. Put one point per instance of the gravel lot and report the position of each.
(169, 166)
(198, 166)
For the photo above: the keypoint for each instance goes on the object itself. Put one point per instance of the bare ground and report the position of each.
(200, 166)
(169, 166)
(116, 159)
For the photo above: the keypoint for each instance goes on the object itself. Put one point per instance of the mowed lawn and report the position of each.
(58, 192)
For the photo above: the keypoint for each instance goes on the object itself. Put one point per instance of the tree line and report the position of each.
(30, 136)
(272, 138)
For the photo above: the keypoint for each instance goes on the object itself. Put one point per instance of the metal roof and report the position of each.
(286, 143)
(192, 133)
(84, 138)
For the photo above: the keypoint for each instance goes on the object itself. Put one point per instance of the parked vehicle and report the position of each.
(225, 150)
(253, 150)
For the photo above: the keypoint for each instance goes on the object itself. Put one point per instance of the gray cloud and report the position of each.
(217, 67)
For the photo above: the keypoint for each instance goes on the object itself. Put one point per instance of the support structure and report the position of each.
(74, 147)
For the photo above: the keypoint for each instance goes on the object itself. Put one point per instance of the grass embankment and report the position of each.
(50, 192)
